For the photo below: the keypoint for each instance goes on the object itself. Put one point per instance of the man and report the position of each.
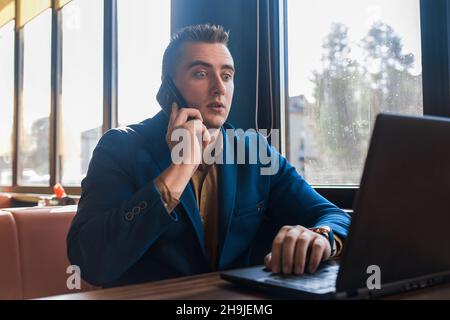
(143, 216)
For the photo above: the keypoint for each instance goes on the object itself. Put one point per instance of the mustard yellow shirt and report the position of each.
(205, 182)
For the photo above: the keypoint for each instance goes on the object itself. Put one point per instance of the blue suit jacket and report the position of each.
(122, 234)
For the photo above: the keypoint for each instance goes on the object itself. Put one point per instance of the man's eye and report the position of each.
(200, 74)
(227, 77)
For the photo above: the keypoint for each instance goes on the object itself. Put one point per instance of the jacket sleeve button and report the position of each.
(143, 205)
(129, 216)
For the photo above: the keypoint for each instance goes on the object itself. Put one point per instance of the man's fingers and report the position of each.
(301, 252)
(295, 248)
(277, 246)
(267, 260)
(288, 250)
(174, 112)
(184, 114)
(317, 253)
(173, 115)
(206, 137)
(197, 128)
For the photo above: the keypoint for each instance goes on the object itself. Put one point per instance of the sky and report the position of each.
(310, 21)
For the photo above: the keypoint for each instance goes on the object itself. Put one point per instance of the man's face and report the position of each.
(205, 78)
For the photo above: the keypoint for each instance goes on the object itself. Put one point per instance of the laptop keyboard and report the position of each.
(324, 280)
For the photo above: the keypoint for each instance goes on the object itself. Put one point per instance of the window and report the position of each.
(348, 61)
(34, 123)
(82, 87)
(143, 34)
(79, 63)
(6, 102)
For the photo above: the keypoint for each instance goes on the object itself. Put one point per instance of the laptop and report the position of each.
(400, 231)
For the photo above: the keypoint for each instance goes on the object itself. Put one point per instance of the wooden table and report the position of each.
(210, 287)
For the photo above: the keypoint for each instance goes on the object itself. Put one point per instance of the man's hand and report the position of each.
(177, 176)
(190, 121)
(296, 247)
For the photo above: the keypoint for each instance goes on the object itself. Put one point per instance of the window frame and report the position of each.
(435, 33)
(109, 92)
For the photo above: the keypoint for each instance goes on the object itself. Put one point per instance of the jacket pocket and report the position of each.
(250, 210)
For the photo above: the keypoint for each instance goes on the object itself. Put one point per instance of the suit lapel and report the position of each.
(227, 192)
(190, 205)
(163, 159)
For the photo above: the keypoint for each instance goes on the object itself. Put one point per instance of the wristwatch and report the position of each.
(327, 232)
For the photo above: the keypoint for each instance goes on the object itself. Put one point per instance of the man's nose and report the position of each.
(218, 87)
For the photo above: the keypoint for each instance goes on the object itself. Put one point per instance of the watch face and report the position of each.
(322, 230)
(327, 233)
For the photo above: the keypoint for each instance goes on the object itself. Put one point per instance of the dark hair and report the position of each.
(197, 33)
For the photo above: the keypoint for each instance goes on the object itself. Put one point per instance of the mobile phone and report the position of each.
(168, 94)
